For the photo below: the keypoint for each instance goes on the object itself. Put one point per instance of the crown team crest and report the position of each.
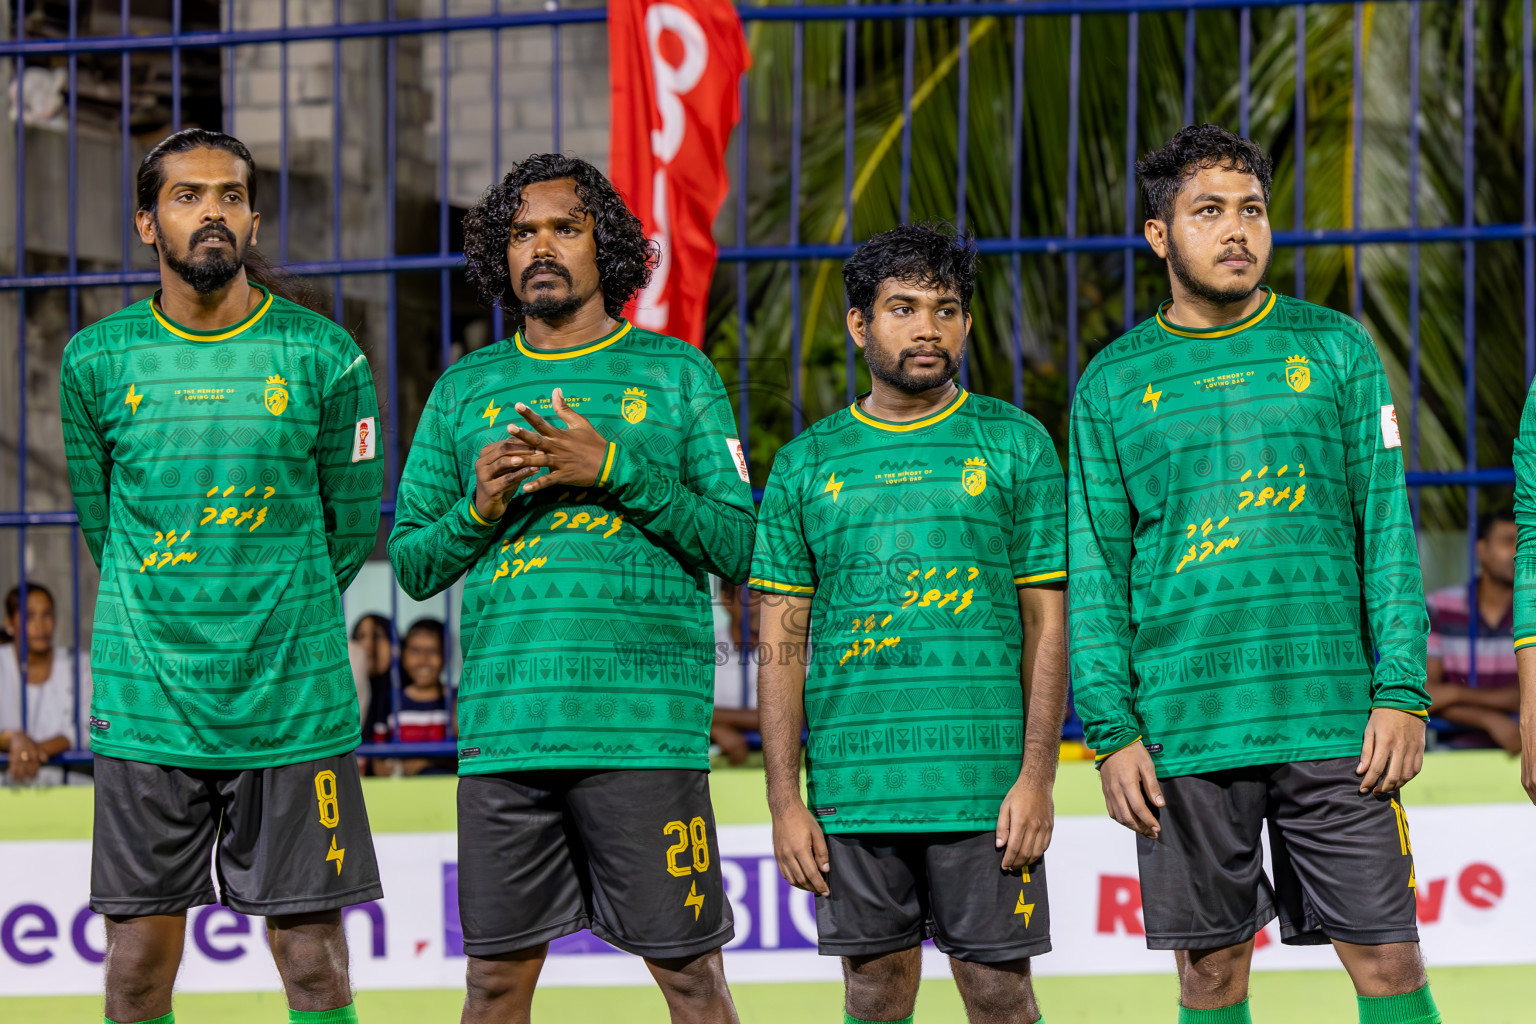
(1297, 374)
(633, 405)
(974, 476)
(277, 395)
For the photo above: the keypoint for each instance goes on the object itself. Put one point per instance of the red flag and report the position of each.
(674, 69)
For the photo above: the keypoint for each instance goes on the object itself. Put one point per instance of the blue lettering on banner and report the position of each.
(11, 938)
(216, 932)
(769, 913)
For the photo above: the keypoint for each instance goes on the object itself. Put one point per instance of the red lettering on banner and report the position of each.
(1430, 903)
(1480, 885)
(1120, 905)
(674, 68)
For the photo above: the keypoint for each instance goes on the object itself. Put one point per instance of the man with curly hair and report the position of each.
(585, 550)
(223, 457)
(917, 541)
(1248, 624)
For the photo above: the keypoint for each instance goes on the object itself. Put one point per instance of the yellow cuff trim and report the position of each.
(476, 515)
(1039, 577)
(602, 478)
(787, 588)
(1099, 757)
(1406, 711)
(1525, 641)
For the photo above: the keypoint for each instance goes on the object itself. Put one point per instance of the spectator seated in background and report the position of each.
(735, 711)
(1488, 708)
(50, 725)
(423, 716)
(372, 653)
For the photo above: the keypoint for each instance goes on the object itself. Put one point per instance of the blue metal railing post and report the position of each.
(1469, 320)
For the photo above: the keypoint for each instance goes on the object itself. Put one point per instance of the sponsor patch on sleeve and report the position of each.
(733, 444)
(1391, 437)
(365, 443)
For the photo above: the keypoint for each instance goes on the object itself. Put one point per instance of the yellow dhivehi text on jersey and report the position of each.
(974, 476)
(1206, 542)
(277, 395)
(633, 405)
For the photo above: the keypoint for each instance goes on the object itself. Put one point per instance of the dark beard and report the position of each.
(889, 370)
(214, 269)
(1207, 293)
(547, 310)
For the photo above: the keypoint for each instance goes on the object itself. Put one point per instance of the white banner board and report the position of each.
(1476, 869)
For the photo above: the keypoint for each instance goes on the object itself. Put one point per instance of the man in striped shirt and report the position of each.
(1487, 703)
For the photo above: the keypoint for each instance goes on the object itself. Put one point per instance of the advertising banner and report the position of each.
(1476, 889)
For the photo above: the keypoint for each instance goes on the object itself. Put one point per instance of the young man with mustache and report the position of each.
(1248, 623)
(916, 541)
(223, 456)
(585, 548)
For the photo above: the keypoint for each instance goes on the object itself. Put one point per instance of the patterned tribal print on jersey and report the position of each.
(1525, 520)
(227, 485)
(912, 539)
(587, 625)
(1225, 486)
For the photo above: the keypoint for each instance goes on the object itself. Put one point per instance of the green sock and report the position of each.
(341, 1015)
(169, 1018)
(1235, 1014)
(849, 1018)
(1417, 1007)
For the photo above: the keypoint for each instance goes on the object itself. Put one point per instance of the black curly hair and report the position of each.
(1194, 147)
(921, 254)
(625, 257)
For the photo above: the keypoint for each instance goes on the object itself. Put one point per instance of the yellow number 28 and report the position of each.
(325, 795)
(693, 834)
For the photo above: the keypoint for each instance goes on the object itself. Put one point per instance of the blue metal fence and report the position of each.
(22, 49)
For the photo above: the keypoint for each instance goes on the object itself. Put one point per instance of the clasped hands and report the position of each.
(573, 456)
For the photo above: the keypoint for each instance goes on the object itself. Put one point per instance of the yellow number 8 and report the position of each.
(325, 794)
(700, 837)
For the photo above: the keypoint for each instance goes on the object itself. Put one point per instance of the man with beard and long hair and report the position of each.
(916, 542)
(1248, 624)
(585, 549)
(222, 446)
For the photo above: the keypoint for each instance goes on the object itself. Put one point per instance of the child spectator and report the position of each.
(423, 716)
(50, 727)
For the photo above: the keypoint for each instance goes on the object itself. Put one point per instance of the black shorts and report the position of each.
(630, 854)
(1342, 860)
(892, 891)
(288, 840)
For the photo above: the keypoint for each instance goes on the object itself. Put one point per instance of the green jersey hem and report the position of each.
(977, 824)
(493, 766)
(240, 762)
(1200, 765)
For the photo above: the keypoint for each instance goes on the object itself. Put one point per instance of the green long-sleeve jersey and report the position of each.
(586, 626)
(912, 541)
(1241, 542)
(1525, 520)
(227, 483)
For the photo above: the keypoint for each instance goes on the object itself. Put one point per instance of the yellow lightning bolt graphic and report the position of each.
(337, 855)
(492, 410)
(834, 485)
(133, 399)
(1150, 396)
(696, 901)
(1027, 909)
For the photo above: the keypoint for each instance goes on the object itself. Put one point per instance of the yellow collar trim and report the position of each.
(864, 417)
(585, 350)
(1223, 332)
(182, 332)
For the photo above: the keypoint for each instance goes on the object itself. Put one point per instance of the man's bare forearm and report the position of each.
(1044, 681)
(1525, 660)
(781, 695)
